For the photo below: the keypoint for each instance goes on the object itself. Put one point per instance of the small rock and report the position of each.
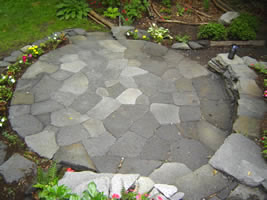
(195, 45)
(4, 64)
(204, 43)
(166, 190)
(180, 45)
(228, 17)
(10, 59)
(118, 32)
(25, 48)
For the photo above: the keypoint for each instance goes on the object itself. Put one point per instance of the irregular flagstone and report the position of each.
(168, 173)
(26, 125)
(184, 85)
(134, 63)
(166, 190)
(159, 97)
(64, 98)
(106, 164)
(61, 75)
(165, 113)
(16, 167)
(144, 184)
(247, 126)
(155, 66)
(154, 49)
(45, 107)
(121, 181)
(169, 133)
(242, 71)
(185, 98)
(94, 127)
(142, 167)
(244, 192)
(244, 160)
(148, 83)
(67, 117)
(210, 135)
(249, 87)
(127, 82)
(143, 100)
(133, 71)
(21, 97)
(173, 57)
(99, 146)
(17, 110)
(112, 45)
(104, 108)
(172, 74)
(74, 66)
(102, 92)
(129, 145)
(201, 183)
(156, 194)
(188, 130)
(71, 134)
(44, 88)
(190, 113)
(225, 61)
(129, 96)
(75, 155)
(116, 89)
(69, 58)
(38, 68)
(76, 84)
(43, 143)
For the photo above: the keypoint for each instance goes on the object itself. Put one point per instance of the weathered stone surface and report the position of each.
(94, 127)
(133, 71)
(129, 96)
(180, 45)
(17, 110)
(102, 92)
(210, 135)
(4, 64)
(143, 100)
(3, 152)
(201, 183)
(104, 108)
(191, 69)
(67, 117)
(190, 113)
(74, 66)
(154, 49)
(228, 17)
(248, 87)
(185, 98)
(178, 195)
(165, 113)
(243, 192)
(99, 146)
(26, 125)
(249, 61)
(223, 59)
(168, 173)
(127, 82)
(156, 66)
(184, 85)
(195, 45)
(166, 190)
(21, 97)
(241, 157)
(242, 71)
(77, 39)
(38, 68)
(112, 45)
(71, 134)
(169, 133)
(106, 164)
(119, 31)
(16, 168)
(247, 126)
(172, 75)
(61, 75)
(45, 107)
(76, 84)
(129, 145)
(75, 155)
(11, 59)
(69, 58)
(156, 194)
(144, 184)
(159, 97)
(63, 98)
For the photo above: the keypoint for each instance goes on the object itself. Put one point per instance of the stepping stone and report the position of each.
(76, 84)
(75, 155)
(168, 173)
(104, 108)
(172, 75)
(184, 85)
(169, 133)
(74, 66)
(127, 82)
(71, 134)
(173, 57)
(45, 107)
(64, 98)
(129, 145)
(190, 113)
(163, 98)
(69, 58)
(133, 71)
(186, 99)
(241, 158)
(165, 113)
(26, 125)
(156, 66)
(181, 45)
(129, 96)
(3, 152)
(21, 97)
(102, 92)
(94, 127)
(16, 167)
(112, 45)
(43, 143)
(154, 49)
(144, 184)
(38, 68)
(138, 166)
(18, 110)
(247, 126)
(106, 164)
(195, 45)
(61, 75)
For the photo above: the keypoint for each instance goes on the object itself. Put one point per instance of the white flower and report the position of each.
(3, 119)
(1, 124)
(55, 38)
(20, 61)
(13, 80)
(128, 34)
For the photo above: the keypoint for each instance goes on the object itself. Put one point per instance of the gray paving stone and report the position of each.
(77, 39)
(244, 160)
(16, 167)
(10, 59)
(166, 190)
(45, 107)
(178, 195)
(26, 125)
(127, 82)
(138, 166)
(143, 100)
(74, 66)
(210, 135)
(195, 45)
(44, 88)
(67, 117)
(184, 85)
(69, 58)
(144, 184)
(190, 152)
(64, 98)
(106, 164)
(17, 110)
(129, 96)
(129, 145)
(169, 133)
(102, 92)
(168, 173)
(43, 143)
(112, 45)
(154, 49)
(25, 85)
(126, 113)
(99, 146)
(247, 126)
(242, 71)
(44, 119)
(21, 97)
(4, 64)
(61, 75)
(181, 45)
(165, 113)
(104, 108)
(79, 31)
(173, 57)
(186, 98)
(85, 102)
(119, 31)
(248, 87)
(172, 75)
(94, 127)
(159, 97)
(71, 134)
(201, 183)
(76, 84)
(190, 113)
(38, 68)
(244, 192)
(155, 149)
(115, 90)
(3, 152)
(75, 155)
(145, 126)
(155, 66)
(148, 83)
(189, 129)
(133, 71)
(99, 36)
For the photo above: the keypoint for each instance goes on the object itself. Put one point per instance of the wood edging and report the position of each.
(258, 43)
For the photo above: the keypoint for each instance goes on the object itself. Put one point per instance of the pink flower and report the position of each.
(30, 55)
(24, 58)
(70, 170)
(138, 197)
(115, 196)
(146, 195)
(160, 198)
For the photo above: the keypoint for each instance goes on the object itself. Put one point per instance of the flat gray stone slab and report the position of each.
(107, 164)
(17, 110)
(16, 167)
(21, 97)
(94, 127)
(74, 66)
(38, 68)
(244, 192)
(169, 133)
(76, 84)
(244, 160)
(185, 98)
(190, 113)
(45, 107)
(247, 126)
(112, 45)
(129, 96)
(145, 184)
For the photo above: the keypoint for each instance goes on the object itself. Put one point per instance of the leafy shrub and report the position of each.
(244, 27)
(166, 3)
(5, 93)
(112, 13)
(158, 33)
(135, 8)
(213, 31)
(75, 9)
(111, 3)
(183, 39)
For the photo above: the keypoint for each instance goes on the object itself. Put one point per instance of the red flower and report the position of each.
(24, 58)
(160, 198)
(185, 9)
(115, 196)
(70, 170)
(123, 11)
(262, 138)
(126, 19)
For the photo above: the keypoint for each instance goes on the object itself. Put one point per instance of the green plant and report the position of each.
(260, 67)
(35, 51)
(167, 17)
(158, 33)
(75, 9)
(251, 20)
(241, 31)
(7, 79)
(112, 13)
(264, 142)
(11, 138)
(166, 3)
(3, 120)
(213, 31)
(180, 10)
(132, 33)
(133, 195)
(92, 194)
(133, 9)
(166, 10)
(111, 3)
(47, 177)
(183, 39)
(5, 93)
(265, 82)
(206, 5)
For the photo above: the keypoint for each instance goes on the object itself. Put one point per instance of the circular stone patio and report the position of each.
(120, 106)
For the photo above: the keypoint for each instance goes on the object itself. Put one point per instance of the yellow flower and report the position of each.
(144, 37)
(35, 47)
(136, 30)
